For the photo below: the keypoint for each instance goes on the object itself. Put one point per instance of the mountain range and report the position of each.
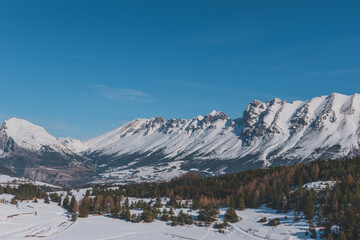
(269, 133)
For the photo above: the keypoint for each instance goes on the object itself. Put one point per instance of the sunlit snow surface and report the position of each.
(38, 220)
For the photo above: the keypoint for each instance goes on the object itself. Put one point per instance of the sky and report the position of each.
(82, 68)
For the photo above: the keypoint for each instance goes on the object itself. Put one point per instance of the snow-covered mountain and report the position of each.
(269, 133)
(29, 150)
(29, 136)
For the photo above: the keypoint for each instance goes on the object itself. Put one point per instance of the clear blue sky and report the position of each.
(81, 68)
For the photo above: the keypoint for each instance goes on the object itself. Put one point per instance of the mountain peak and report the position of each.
(214, 116)
(28, 135)
(213, 113)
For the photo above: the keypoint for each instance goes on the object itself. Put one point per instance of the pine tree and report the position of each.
(84, 207)
(147, 216)
(171, 212)
(241, 204)
(73, 207)
(133, 217)
(127, 214)
(174, 221)
(73, 217)
(66, 202)
(165, 216)
(126, 204)
(226, 222)
(342, 235)
(312, 229)
(14, 201)
(231, 215)
(158, 202)
(196, 205)
(46, 200)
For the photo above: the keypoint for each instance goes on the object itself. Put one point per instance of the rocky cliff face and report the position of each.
(269, 133)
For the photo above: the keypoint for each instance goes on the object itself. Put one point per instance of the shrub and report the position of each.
(274, 222)
(263, 219)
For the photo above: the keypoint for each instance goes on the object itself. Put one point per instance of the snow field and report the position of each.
(38, 220)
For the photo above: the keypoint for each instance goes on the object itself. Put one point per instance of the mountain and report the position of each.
(29, 150)
(268, 134)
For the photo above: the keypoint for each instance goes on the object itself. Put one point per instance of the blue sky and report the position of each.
(81, 68)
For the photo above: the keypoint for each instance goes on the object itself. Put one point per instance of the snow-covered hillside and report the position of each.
(31, 220)
(15, 181)
(270, 133)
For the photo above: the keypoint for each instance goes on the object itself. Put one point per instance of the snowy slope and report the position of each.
(31, 220)
(73, 145)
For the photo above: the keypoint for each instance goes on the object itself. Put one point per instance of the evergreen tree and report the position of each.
(208, 214)
(158, 202)
(241, 205)
(171, 212)
(115, 212)
(343, 236)
(231, 215)
(174, 221)
(66, 202)
(84, 207)
(126, 204)
(165, 216)
(196, 205)
(46, 200)
(73, 207)
(147, 216)
(73, 217)
(312, 229)
(226, 222)
(13, 201)
(127, 214)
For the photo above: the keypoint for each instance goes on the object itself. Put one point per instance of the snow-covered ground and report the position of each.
(31, 220)
(15, 181)
(38, 220)
(77, 193)
(319, 185)
(123, 175)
